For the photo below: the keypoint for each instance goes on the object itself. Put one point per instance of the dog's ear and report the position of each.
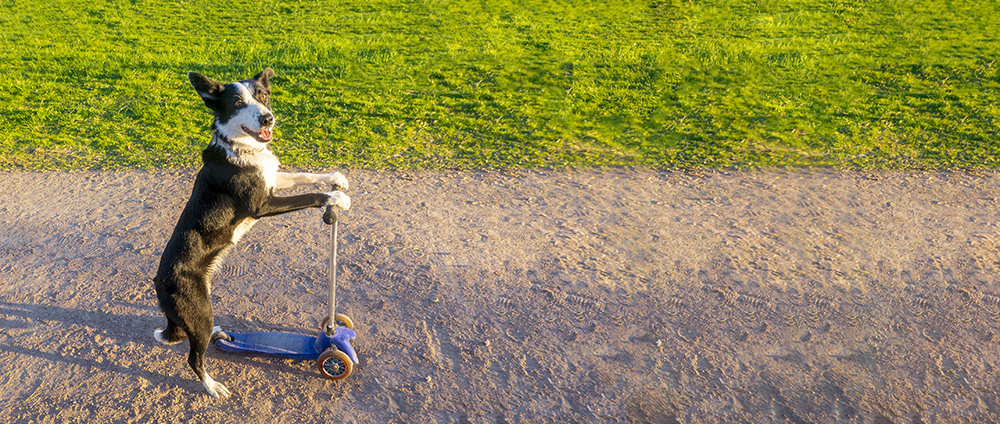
(263, 77)
(209, 89)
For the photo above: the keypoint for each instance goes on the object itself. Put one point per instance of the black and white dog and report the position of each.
(234, 189)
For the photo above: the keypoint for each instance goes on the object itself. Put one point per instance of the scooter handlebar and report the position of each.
(329, 217)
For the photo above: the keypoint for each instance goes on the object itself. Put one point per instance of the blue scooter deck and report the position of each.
(289, 344)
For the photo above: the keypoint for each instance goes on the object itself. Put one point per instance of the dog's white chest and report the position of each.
(260, 158)
(268, 163)
(269, 169)
(242, 229)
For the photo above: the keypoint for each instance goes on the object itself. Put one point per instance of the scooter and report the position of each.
(331, 348)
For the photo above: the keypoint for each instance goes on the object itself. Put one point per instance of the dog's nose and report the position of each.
(266, 120)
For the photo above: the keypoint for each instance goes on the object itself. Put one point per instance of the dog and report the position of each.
(234, 188)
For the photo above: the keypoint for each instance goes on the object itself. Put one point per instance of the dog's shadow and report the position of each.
(108, 329)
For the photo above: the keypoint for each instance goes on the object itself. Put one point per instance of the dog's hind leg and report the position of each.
(200, 339)
(171, 335)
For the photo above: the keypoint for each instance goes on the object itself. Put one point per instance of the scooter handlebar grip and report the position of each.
(329, 217)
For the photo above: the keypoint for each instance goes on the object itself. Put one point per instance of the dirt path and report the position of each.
(533, 297)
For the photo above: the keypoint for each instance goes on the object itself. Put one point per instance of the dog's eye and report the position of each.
(239, 103)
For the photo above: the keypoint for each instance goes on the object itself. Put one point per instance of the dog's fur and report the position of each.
(234, 189)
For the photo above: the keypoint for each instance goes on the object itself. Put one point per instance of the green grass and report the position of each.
(496, 84)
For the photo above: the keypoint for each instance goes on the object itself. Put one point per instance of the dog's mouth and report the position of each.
(263, 136)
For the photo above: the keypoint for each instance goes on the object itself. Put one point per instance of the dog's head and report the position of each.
(242, 109)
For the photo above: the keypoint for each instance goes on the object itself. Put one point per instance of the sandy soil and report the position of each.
(619, 296)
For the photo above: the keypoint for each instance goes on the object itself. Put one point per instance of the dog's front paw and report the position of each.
(339, 200)
(336, 179)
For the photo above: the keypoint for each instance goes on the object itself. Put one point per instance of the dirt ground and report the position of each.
(525, 297)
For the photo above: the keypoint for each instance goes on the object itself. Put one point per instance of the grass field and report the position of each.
(466, 84)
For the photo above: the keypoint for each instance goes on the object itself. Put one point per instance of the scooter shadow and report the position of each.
(119, 328)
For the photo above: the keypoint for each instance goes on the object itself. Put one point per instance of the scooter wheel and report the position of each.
(340, 320)
(221, 336)
(334, 364)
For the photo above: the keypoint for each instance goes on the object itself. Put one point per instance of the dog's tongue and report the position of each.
(265, 134)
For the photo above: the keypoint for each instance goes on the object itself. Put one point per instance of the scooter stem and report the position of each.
(330, 218)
